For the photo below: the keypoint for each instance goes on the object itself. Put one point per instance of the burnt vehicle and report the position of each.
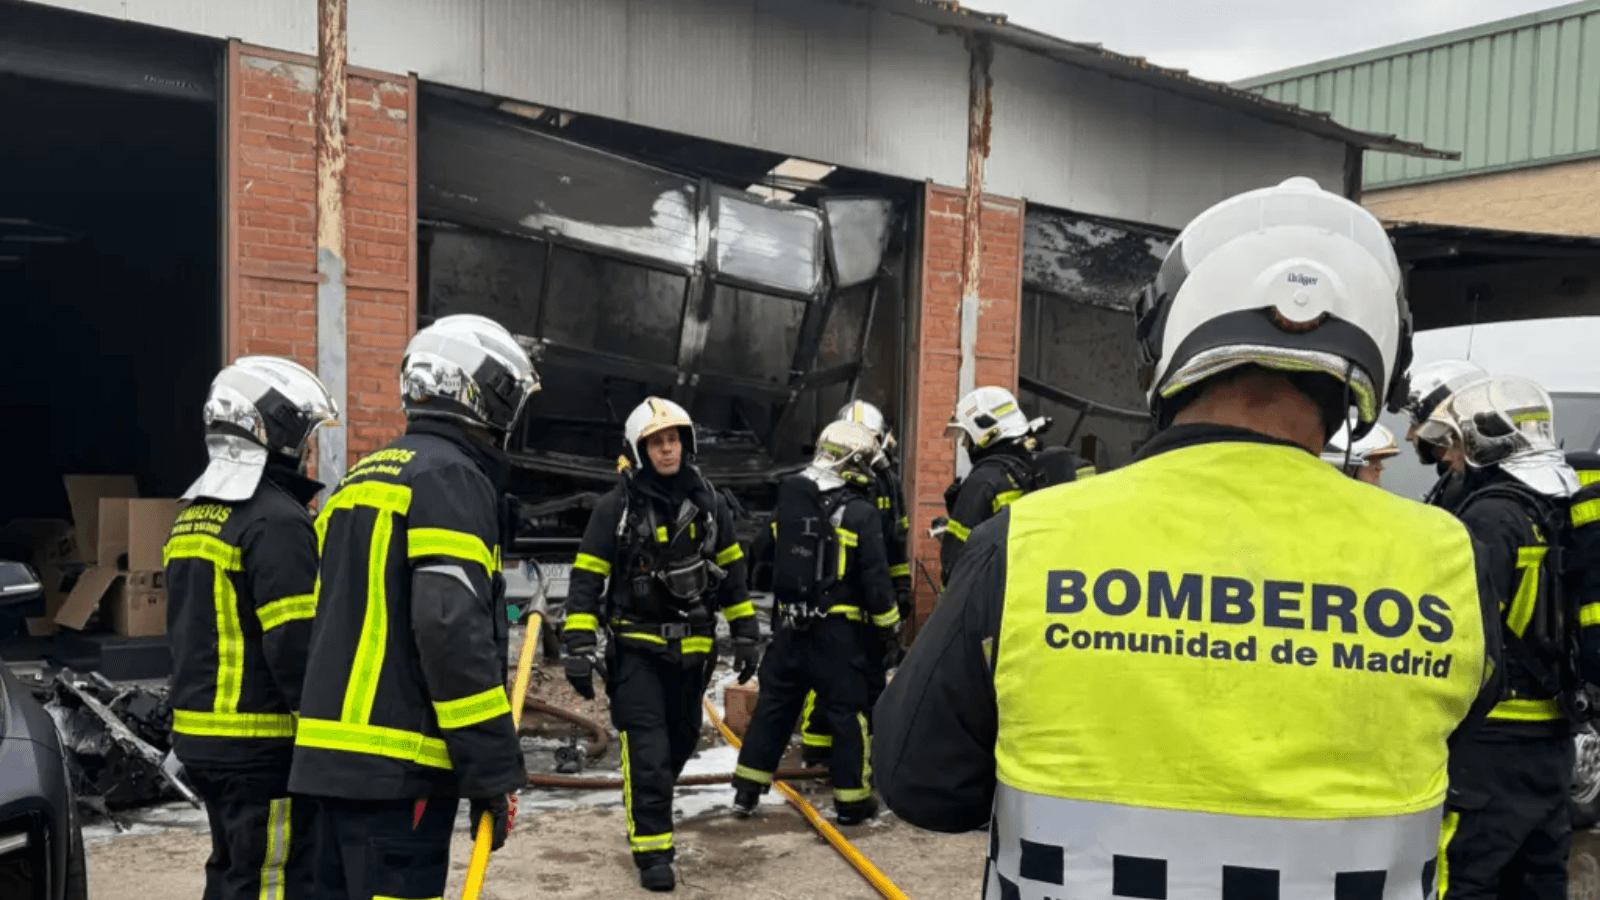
(624, 280)
(41, 838)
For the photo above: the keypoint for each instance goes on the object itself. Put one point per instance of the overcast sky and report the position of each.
(1225, 40)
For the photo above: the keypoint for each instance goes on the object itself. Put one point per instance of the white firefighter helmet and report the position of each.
(1505, 421)
(468, 369)
(653, 415)
(1432, 383)
(870, 417)
(257, 407)
(1378, 444)
(1289, 277)
(844, 453)
(987, 415)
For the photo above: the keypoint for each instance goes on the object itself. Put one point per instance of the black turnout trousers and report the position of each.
(655, 707)
(261, 837)
(1507, 827)
(383, 848)
(830, 657)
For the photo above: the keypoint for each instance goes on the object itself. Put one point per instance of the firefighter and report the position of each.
(405, 711)
(241, 568)
(1507, 829)
(1363, 459)
(1000, 443)
(1224, 669)
(1431, 385)
(835, 612)
(658, 559)
(889, 495)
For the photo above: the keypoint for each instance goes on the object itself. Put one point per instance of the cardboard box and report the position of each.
(139, 608)
(127, 533)
(739, 705)
(83, 495)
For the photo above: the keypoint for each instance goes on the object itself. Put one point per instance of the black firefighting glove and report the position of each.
(902, 601)
(746, 658)
(503, 809)
(887, 641)
(581, 664)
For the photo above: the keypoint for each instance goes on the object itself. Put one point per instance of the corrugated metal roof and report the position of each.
(1519, 92)
(951, 14)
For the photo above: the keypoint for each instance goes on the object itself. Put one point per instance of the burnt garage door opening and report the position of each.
(109, 279)
(1079, 361)
(633, 263)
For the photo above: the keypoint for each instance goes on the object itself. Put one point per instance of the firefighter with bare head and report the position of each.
(658, 561)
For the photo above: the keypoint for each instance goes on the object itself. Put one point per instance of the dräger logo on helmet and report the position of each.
(1302, 280)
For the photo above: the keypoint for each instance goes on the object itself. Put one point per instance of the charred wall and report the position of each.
(1079, 354)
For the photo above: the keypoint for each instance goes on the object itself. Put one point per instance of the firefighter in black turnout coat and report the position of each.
(999, 441)
(241, 567)
(888, 495)
(835, 613)
(1506, 829)
(405, 709)
(658, 559)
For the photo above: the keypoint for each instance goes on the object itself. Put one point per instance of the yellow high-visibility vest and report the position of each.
(1228, 664)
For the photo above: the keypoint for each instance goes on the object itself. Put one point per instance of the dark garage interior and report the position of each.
(109, 214)
(110, 281)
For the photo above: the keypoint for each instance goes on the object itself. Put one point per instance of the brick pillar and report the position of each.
(938, 347)
(272, 227)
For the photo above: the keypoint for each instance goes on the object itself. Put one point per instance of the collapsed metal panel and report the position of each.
(625, 280)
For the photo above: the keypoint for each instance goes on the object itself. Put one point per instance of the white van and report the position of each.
(1562, 355)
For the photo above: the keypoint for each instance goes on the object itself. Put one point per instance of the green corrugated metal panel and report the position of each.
(1508, 94)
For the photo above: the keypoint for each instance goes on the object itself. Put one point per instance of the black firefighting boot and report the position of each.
(745, 800)
(658, 877)
(854, 812)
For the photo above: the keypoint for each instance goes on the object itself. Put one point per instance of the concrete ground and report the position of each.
(581, 854)
(572, 845)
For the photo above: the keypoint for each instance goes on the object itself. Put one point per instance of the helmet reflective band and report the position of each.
(258, 406)
(467, 368)
(1290, 277)
(653, 415)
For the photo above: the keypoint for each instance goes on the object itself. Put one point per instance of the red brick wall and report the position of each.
(938, 349)
(380, 247)
(272, 228)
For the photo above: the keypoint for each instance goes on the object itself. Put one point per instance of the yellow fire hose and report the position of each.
(870, 872)
(485, 837)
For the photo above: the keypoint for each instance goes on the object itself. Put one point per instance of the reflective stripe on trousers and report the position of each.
(1104, 850)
